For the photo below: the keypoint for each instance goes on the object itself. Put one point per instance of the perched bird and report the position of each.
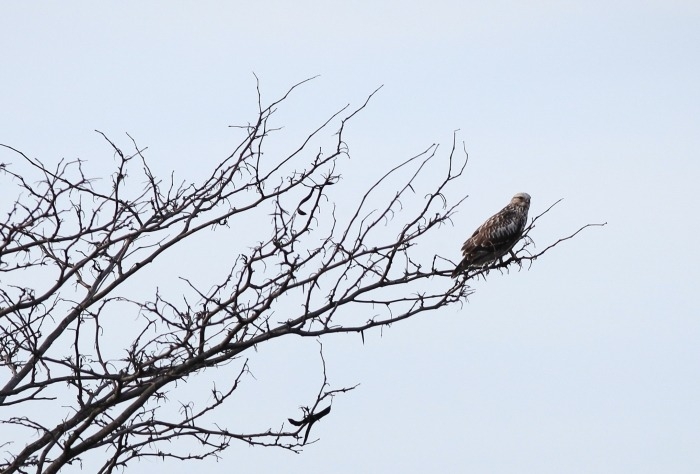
(495, 237)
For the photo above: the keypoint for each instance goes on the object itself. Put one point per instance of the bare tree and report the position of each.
(69, 245)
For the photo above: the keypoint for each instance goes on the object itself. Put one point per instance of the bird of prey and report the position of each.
(495, 237)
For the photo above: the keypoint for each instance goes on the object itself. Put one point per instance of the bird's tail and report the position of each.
(462, 267)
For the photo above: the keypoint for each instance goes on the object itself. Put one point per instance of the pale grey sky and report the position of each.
(589, 362)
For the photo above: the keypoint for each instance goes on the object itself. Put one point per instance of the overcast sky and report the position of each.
(589, 361)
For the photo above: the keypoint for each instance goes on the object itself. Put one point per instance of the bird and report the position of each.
(495, 237)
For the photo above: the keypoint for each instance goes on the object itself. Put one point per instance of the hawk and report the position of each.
(495, 237)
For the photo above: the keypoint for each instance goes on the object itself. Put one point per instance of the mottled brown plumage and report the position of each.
(495, 237)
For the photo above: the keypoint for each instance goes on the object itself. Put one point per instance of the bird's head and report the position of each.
(521, 199)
